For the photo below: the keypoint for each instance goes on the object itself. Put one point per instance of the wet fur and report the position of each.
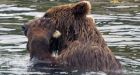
(80, 45)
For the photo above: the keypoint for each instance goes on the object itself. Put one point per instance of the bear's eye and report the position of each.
(24, 29)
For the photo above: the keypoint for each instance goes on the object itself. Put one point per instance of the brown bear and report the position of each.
(68, 30)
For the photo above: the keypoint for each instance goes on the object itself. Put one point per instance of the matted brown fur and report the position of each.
(80, 44)
(89, 57)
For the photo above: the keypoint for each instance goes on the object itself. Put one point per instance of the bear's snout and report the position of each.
(39, 48)
(39, 44)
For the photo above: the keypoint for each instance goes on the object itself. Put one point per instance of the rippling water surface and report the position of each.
(120, 30)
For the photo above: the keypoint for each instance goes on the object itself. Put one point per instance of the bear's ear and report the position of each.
(82, 8)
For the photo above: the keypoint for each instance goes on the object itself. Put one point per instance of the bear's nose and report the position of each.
(24, 29)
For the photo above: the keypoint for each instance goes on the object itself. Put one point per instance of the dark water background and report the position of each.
(119, 23)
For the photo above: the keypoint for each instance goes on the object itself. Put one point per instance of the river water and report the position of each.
(121, 31)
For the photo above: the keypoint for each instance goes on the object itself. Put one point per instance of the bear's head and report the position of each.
(70, 21)
(39, 32)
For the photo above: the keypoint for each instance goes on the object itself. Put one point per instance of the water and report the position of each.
(121, 30)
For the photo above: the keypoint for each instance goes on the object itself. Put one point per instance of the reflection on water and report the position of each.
(120, 30)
